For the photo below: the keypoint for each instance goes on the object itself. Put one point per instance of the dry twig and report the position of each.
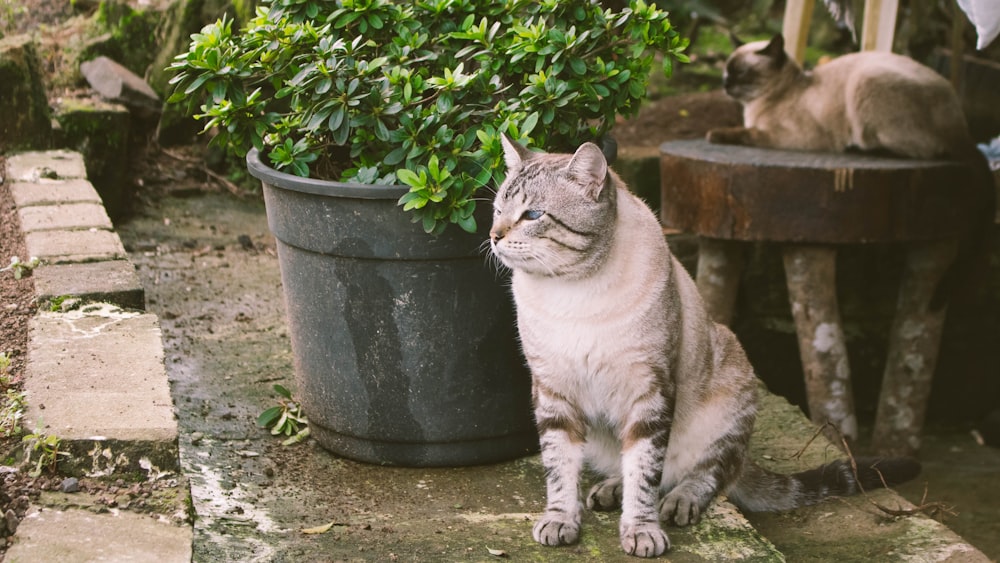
(931, 509)
(222, 180)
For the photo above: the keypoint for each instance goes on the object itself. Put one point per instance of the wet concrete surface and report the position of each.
(210, 272)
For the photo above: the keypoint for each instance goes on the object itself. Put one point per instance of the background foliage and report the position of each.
(417, 92)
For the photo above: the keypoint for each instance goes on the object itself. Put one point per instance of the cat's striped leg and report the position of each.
(562, 442)
(643, 448)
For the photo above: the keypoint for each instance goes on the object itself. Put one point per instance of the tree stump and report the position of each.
(812, 202)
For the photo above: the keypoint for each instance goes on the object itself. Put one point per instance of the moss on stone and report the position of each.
(99, 131)
(24, 123)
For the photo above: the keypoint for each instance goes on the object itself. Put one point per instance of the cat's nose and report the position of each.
(496, 235)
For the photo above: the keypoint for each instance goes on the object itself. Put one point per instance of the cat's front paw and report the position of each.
(681, 508)
(644, 539)
(606, 495)
(727, 136)
(556, 529)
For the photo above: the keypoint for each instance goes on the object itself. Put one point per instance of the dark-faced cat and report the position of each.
(629, 374)
(873, 102)
(869, 101)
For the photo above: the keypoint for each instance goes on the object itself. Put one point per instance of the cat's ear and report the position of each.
(513, 152)
(735, 41)
(589, 167)
(775, 50)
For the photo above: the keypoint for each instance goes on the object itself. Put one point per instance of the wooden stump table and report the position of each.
(811, 203)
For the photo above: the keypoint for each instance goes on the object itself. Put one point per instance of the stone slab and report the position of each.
(48, 192)
(66, 247)
(840, 529)
(111, 281)
(53, 165)
(98, 373)
(118, 84)
(64, 216)
(77, 536)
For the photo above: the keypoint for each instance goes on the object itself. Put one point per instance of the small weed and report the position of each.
(19, 268)
(55, 304)
(46, 446)
(10, 12)
(11, 413)
(12, 402)
(285, 419)
(4, 369)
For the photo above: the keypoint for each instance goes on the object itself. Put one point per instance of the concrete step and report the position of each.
(94, 376)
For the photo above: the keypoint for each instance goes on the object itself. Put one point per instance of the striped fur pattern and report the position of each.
(630, 377)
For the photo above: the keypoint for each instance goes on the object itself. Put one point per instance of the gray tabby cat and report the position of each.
(630, 376)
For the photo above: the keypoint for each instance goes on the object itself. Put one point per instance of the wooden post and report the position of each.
(913, 351)
(795, 27)
(879, 25)
(720, 264)
(957, 62)
(811, 274)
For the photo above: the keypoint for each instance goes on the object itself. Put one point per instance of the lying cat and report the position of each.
(630, 376)
(869, 101)
(872, 102)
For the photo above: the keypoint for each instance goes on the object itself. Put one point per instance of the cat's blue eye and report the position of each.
(532, 214)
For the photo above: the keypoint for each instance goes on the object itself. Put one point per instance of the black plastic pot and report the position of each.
(404, 344)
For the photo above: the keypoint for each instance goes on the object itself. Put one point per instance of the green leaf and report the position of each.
(409, 177)
(468, 224)
(429, 223)
(529, 123)
(267, 418)
(282, 390)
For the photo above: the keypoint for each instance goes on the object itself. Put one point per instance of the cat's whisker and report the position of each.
(541, 254)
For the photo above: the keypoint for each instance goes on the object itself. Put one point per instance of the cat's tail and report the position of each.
(761, 490)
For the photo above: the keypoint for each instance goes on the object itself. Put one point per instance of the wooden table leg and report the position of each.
(811, 275)
(720, 264)
(913, 351)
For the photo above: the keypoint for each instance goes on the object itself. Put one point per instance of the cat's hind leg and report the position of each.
(606, 495)
(708, 442)
(701, 473)
(603, 454)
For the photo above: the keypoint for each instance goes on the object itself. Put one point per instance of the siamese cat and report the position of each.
(630, 376)
(872, 102)
(869, 101)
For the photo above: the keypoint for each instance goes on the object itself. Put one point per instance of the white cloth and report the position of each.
(985, 15)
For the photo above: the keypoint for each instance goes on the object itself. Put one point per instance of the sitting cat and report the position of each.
(872, 102)
(629, 374)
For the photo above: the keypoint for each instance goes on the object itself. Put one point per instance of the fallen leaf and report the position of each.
(497, 552)
(318, 529)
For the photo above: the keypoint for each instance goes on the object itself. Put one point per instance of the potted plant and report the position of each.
(402, 335)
